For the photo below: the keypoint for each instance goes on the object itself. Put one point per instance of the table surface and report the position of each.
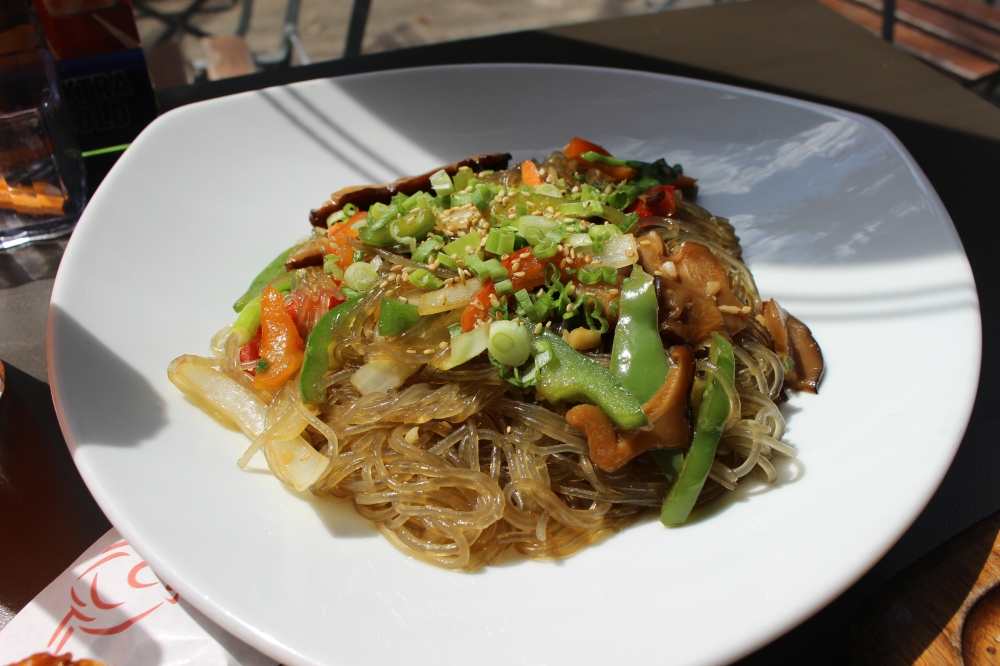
(792, 47)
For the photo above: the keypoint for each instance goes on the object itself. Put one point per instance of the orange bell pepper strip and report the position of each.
(533, 270)
(340, 243)
(280, 343)
(529, 174)
(577, 147)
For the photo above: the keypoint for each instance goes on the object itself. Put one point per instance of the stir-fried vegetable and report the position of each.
(554, 345)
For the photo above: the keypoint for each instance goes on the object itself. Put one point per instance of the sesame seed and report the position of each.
(444, 300)
(383, 284)
(629, 253)
(428, 351)
(480, 305)
(509, 430)
(644, 242)
(390, 293)
(519, 274)
(609, 189)
(658, 273)
(538, 328)
(396, 268)
(504, 257)
(548, 324)
(411, 351)
(305, 457)
(569, 308)
(454, 256)
(612, 292)
(443, 346)
(550, 209)
(412, 435)
(403, 299)
(576, 188)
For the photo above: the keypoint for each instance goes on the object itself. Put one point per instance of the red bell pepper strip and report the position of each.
(578, 146)
(657, 201)
(529, 275)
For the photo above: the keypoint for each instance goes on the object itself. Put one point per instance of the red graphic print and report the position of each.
(106, 615)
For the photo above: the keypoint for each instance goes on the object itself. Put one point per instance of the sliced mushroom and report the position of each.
(795, 346)
(610, 450)
(686, 315)
(808, 358)
(308, 254)
(363, 196)
(697, 268)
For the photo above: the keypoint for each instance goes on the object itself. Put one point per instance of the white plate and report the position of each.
(838, 223)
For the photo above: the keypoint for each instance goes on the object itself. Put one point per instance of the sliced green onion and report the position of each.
(358, 255)
(504, 287)
(455, 330)
(500, 241)
(416, 224)
(476, 265)
(445, 260)
(262, 365)
(423, 279)
(441, 182)
(360, 275)
(331, 268)
(629, 222)
(510, 342)
(496, 270)
(580, 240)
(247, 322)
(521, 209)
(424, 250)
(589, 275)
(461, 178)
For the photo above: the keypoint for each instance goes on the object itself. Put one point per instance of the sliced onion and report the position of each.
(452, 297)
(295, 462)
(467, 346)
(219, 394)
(619, 251)
(382, 375)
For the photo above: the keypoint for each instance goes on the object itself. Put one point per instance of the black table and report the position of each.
(792, 47)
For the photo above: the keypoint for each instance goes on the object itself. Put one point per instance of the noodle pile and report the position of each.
(456, 467)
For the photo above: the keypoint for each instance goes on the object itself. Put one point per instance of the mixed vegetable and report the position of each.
(571, 276)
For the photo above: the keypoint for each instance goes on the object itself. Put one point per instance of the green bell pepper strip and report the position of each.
(566, 374)
(273, 271)
(712, 417)
(396, 317)
(638, 359)
(317, 359)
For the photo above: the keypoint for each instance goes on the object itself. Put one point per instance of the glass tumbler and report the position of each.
(42, 183)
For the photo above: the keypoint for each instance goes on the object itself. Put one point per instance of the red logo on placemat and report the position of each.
(95, 612)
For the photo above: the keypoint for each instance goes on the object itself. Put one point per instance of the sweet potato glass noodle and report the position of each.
(488, 468)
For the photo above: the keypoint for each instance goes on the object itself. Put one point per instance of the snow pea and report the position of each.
(712, 417)
(566, 374)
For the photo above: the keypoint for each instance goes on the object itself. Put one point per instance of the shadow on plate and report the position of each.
(101, 398)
